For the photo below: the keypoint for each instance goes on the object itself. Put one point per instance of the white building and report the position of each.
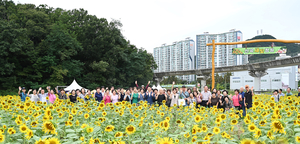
(277, 78)
(223, 53)
(178, 56)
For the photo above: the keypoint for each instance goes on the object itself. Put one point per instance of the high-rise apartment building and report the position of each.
(223, 53)
(178, 56)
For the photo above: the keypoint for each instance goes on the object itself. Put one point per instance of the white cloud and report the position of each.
(149, 24)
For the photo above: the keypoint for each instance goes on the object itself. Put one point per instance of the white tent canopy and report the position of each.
(73, 86)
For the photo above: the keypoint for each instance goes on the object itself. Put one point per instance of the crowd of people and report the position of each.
(241, 99)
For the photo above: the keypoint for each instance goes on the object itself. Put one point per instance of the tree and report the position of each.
(41, 45)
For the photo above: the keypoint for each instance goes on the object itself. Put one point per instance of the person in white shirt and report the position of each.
(34, 96)
(42, 95)
(205, 96)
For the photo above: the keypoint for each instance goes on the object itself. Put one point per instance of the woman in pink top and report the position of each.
(235, 99)
(114, 97)
(107, 97)
(51, 95)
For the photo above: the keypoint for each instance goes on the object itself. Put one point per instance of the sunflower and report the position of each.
(53, 141)
(86, 116)
(84, 126)
(257, 133)
(23, 128)
(118, 134)
(194, 130)
(234, 122)
(218, 121)
(70, 117)
(223, 116)
(34, 124)
(247, 141)
(29, 134)
(48, 127)
(130, 129)
(297, 138)
(197, 118)
(89, 130)
(166, 125)
(204, 128)
(277, 127)
(2, 138)
(251, 128)
(104, 113)
(109, 128)
(262, 123)
(216, 130)
(40, 141)
(270, 135)
(178, 121)
(187, 135)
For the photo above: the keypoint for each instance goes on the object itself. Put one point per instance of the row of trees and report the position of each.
(41, 45)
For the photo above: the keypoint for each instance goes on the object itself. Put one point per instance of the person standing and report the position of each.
(135, 96)
(205, 96)
(242, 103)
(174, 97)
(61, 94)
(276, 96)
(127, 96)
(213, 100)
(121, 95)
(288, 92)
(298, 91)
(23, 95)
(73, 96)
(98, 95)
(184, 94)
(142, 95)
(88, 95)
(42, 95)
(248, 97)
(82, 94)
(280, 92)
(191, 100)
(107, 97)
(114, 97)
(51, 95)
(169, 98)
(111, 89)
(198, 98)
(160, 97)
(149, 96)
(227, 104)
(236, 99)
(143, 87)
(34, 96)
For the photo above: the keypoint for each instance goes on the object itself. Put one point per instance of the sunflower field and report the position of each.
(92, 122)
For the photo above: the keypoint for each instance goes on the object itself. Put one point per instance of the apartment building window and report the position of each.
(237, 81)
(276, 80)
(277, 72)
(248, 80)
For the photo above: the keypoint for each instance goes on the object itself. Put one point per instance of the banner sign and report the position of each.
(258, 50)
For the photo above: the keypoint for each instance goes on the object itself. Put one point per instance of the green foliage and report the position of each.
(221, 82)
(41, 45)
(291, 48)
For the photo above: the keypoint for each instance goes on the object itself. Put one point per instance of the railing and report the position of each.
(270, 58)
(262, 60)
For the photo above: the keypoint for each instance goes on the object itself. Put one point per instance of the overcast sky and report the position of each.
(149, 24)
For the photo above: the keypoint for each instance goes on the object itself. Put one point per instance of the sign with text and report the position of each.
(258, 50)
